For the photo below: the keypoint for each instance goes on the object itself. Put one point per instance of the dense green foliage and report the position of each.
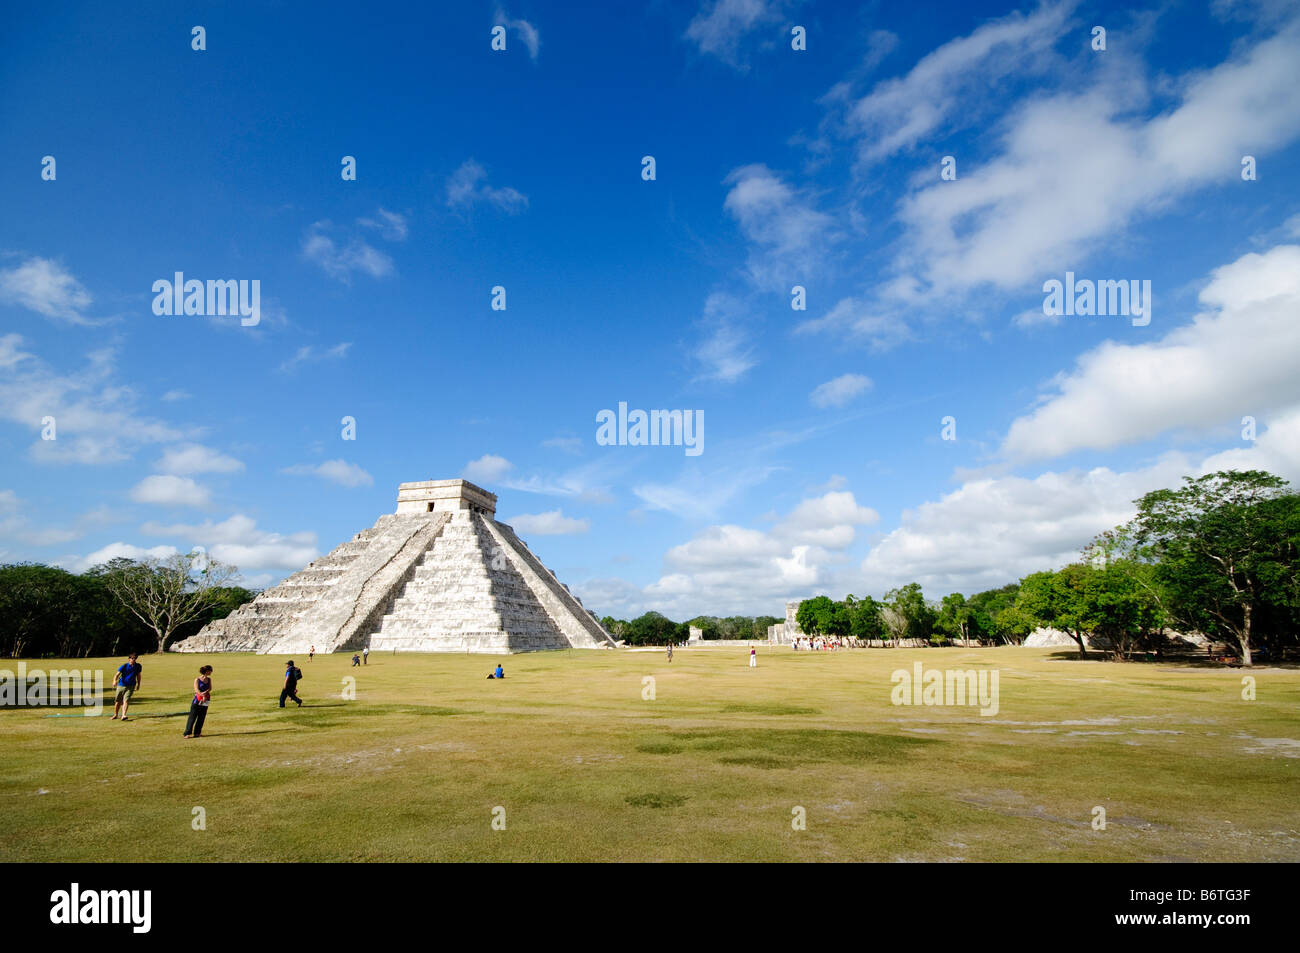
(50, 612)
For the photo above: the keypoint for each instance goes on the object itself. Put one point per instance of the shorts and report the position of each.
(124, 693)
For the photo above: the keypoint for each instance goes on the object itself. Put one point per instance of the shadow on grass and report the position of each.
(1188, 660)
(788, 748)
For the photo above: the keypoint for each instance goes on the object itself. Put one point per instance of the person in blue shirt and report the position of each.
(128, 681)
(290, 689)
(499, 673)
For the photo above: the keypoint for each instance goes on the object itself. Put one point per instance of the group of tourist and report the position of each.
(818, 644)
(127, 682)
(128, 679)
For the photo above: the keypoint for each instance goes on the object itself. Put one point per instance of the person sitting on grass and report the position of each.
(499, 673)
(127, 681)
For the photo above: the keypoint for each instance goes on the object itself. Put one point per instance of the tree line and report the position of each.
(653, 628)
(1219, 556)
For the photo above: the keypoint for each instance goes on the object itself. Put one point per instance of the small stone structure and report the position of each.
(784, 633)
(439, 575)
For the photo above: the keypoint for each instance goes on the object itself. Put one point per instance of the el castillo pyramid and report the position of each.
(439, 575)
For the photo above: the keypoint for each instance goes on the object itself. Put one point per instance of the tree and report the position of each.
(955, 616)
(864, 619)
(1055, 600)
(1222, 543)
(894, 621)
(990, 620)
(652, 628)
(167, 594)
(919, 616)
(814, 615)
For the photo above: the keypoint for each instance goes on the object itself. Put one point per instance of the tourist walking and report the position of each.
(311, 653)
(127, 681)
(199, 703)
(753, 658)
(356, 660)
(670, 651)
(290, 689)
(365, 655)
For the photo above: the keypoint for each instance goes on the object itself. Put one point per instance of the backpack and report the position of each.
(297, 673)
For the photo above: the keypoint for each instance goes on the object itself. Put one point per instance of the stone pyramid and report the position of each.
(439, 575)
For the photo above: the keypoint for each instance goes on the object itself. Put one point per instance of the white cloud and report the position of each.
(701, 495)
(79, 564)
(196, 458)
(390, 225)
(488, 468)
(1235, 358)
(335, 471)
(725, 353)
(550, 523)
(466, 188)
(1076, 168)
(174, 395)
(720, 29)
(879, 327)
(46, 287)
(95, 416)
(729, 568)
(308, 354)
(340, 261)
(526, 31)
(899, 113)
(167, 490)
(237, 541)
(839, 391)
(790, 240)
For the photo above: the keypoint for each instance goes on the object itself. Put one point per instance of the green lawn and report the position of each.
(586, 769)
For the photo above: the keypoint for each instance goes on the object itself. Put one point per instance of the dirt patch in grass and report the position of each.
(769, 710)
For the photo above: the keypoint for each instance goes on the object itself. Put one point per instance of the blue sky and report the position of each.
(823, 466)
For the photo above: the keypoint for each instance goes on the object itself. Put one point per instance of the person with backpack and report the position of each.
(127, 680)
(292, 675)
(199, 703)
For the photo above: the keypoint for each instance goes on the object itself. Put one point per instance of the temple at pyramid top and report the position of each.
(439, 575)
(436, 496)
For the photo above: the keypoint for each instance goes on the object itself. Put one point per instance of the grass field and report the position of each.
(710, 769)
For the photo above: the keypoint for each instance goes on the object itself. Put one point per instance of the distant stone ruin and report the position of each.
(784, 633)
(439, 575)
